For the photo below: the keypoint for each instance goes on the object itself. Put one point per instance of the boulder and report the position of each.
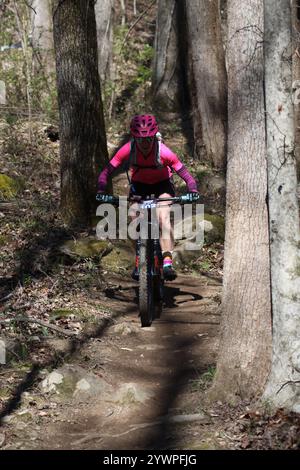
(88, 247)
(72, 381)
(213, 226)
(121, 257)
(187, 250)
(129, 394)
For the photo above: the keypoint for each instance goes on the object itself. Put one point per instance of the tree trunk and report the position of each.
(104, 10)
(282, 390)
(42, 37)
(82, 132)
(296, 78)
(165, 80)
(210, 81)
(42, 31)
(245, 349)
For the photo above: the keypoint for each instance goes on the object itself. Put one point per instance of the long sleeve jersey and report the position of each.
(145, 169)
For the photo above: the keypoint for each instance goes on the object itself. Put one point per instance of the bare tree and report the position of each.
(82, 132)
(22, 16)
(123, 8)
(42, 31)
(166, 66)
(209, 78)
(42, 38)
(245, 350)
(283, 388)
(104, 10)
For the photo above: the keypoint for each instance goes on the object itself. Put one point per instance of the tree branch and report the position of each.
(29, 6)
(136, 21)
(289, 382)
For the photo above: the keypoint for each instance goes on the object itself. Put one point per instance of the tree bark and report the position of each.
(42, 31)
(245, 350)
(166, 74)
(210, 81)
(104, 10)
(296, 78)
(282, 389)
(83, 145)
(42, 37)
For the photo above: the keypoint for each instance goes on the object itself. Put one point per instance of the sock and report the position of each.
(167, 257)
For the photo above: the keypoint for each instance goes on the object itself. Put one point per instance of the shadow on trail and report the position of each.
(33, 375)
(173, 371)
(170, 294)
(37, 257)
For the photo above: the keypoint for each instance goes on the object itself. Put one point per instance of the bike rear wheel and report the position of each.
(146, 291)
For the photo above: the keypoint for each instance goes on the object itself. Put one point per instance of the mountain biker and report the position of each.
(151, 165)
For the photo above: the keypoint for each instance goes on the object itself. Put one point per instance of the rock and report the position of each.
(82, 385)
(121, 258)
(131, 394)
(186, 249)
(9, 187)
(212, 225)
(86, 248)
(73, 381)
(49, 383)
(124, 329)
(7, 419)
(216, 234)
(61, 346)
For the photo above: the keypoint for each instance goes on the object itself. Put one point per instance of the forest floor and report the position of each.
(81, 372)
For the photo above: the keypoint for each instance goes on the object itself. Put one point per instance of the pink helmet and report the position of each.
(143, 125)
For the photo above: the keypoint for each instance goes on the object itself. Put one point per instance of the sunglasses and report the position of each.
(144, 139)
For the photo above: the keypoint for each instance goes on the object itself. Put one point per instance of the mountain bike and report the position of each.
(151, 279)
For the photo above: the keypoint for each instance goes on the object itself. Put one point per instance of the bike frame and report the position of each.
(151, 281)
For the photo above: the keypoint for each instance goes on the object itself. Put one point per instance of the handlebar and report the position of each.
(110, 199)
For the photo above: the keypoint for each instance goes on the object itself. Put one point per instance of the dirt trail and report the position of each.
(141, 375)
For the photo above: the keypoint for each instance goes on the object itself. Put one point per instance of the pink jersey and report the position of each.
(168, 159)
(141, 172)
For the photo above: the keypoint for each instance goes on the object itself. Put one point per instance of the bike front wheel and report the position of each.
(146, 301)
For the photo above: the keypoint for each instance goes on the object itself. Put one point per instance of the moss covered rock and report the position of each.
(86, 248)
(121, 258)
(9, 187)
(217, 231)
(213, 226)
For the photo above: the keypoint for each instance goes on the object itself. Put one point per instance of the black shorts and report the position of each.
(142, 189)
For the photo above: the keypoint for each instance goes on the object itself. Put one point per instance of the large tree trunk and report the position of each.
(104, 10)
(210, 81)
(169, 64)
(245, 350)
(82, 133)
(282, 389)
(296, 77)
